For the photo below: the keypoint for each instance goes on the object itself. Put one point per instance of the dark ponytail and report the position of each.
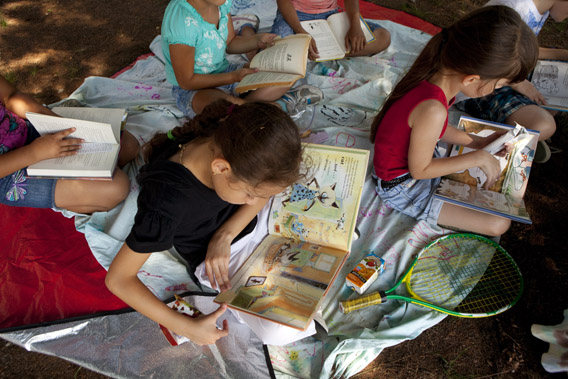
(492, 42)
(259, 140)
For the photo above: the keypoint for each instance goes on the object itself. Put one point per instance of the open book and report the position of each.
(551, 79)
(311, 228)
(279, 65)
(99, 127)
(330, 35)
(505, 197)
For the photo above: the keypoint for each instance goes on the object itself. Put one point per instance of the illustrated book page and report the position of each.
(98, 127)
(324, 209)
(284, 280)
(330, 35)
(281, 64)
(311, 228)
(504, 198)
(551, 79)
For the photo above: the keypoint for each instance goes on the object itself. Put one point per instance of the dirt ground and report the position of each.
(49, 47)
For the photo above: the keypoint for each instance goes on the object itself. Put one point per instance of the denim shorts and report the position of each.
(414, 198)
(496, 106)
(283, 29)
(184, 98)
(19, 190)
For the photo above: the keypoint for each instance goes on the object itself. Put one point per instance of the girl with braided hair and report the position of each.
(200, 191)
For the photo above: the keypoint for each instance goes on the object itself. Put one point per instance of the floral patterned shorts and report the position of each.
(19, 190)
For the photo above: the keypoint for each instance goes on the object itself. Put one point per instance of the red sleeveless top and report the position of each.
(393, 133)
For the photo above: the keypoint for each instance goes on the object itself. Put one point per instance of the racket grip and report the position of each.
(373, 298)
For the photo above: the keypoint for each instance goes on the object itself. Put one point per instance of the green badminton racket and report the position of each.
(463, 275)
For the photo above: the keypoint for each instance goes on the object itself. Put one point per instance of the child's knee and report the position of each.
(115, 192)
(546, 126)
(497, 226)
(383, 36)
(121, 187)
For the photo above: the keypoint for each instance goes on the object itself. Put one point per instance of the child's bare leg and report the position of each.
(247, 31)
(534, 117)
(88, 196)
(467, 219)
(381, 42)
(205, 97)
(129, 148)
(267, 94)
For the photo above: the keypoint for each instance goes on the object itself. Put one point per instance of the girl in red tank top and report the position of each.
(484, 50)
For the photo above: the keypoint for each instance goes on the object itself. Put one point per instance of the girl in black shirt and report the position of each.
(201, 190)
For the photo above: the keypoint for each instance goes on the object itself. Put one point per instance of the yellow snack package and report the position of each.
(365, 273)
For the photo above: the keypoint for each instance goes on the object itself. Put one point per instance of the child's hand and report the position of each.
(265, 40)
(355, 39)
(313, 52)
(489, 165)
(528, 89)
(242, 72)
(55, 145)
(217, 262)
(203, 330)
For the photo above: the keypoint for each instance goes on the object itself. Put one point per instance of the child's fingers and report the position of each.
(224, 270)
(220, 276)
(210, 276)
(65, 133)
(73, 141)
(218, 313)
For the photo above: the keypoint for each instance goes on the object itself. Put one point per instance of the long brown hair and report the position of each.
(492, 42)
(259, 140)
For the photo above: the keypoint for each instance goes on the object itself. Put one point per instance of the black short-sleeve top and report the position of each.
(176, 209)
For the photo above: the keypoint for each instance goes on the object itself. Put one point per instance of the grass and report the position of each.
(3, 22)
(411, 9)
(448, 366)
(11, 77)
(73, 69)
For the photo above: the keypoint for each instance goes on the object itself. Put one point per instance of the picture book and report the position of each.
(505, 197)
(551, 79)
(98, 127)
(311, 228)
(330, 35)
(279, 65)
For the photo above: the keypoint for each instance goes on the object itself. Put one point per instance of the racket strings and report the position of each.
(479, 279)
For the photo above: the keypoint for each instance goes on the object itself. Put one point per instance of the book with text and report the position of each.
(282, 64)
(311, 228)
(98, 127)
(505, 197)
(551, 79)
(330, 35)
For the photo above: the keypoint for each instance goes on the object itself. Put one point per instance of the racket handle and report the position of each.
(373, 298)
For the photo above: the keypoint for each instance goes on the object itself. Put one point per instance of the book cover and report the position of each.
(311, 229)
(505, 197)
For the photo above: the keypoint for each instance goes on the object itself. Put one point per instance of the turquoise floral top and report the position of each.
(182, 24)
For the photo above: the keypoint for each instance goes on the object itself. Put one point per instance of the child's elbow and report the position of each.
(186, 82)
(111, 282)
(417, 174)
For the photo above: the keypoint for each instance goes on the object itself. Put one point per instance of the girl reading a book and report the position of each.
(291, 13)
(521, 102)
(196, 37)
(200, 192)
(484, 50)
(21, 146)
